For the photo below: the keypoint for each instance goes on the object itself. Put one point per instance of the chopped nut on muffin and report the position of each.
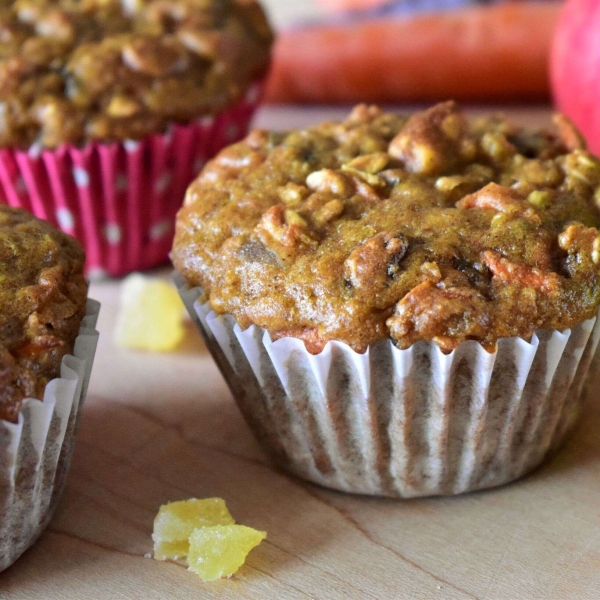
(423, 228)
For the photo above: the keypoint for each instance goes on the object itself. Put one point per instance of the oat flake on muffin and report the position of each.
(77, 71)
(422, 228)
(42, 303)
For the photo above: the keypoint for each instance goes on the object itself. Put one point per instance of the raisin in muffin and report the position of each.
(42, 303)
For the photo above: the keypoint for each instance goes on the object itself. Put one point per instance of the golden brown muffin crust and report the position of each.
(72, 71)
(420, 228)
(42, 302)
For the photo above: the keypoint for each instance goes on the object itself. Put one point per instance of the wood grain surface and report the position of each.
(158, 428)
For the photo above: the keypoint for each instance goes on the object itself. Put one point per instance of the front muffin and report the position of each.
(47, 346)
(108, 109)
(420, 229)
(425, 229)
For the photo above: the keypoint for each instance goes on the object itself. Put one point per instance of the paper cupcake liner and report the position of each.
(35, 453)
(405, 423)
(120, 200)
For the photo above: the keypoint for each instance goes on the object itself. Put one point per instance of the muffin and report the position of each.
(47, 345)
(401, 306)
(110, 108)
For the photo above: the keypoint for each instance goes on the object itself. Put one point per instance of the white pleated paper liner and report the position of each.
(35, 453)
(405, 423)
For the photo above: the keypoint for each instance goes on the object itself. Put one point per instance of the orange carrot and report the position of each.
(489, 53)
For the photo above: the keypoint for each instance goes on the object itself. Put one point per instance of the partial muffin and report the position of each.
(47, 347)
(109, 104)
(454, 264)
(42, 302)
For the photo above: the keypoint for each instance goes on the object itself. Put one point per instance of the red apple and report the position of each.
(575, 67)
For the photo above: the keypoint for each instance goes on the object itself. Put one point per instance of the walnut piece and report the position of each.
(446, 316)
(431, 141)
(375, 260)
(363, 113)
(328, 180)
(156, 57)
(581, 240)
(285, 232)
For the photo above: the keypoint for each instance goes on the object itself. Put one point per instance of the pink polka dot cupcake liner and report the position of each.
(120, 199)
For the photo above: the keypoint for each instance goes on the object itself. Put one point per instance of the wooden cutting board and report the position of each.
(158, 428)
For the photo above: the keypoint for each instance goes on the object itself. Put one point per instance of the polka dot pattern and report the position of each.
(131, 145)
(121, 182)
(162, 183)
(65, 219)
(35, 150)
(160, 230)
(113, 234)
(81, 177)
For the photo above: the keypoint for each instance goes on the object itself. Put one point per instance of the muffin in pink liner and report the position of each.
(120, 199)
(401, 306)
(47, 346)
(109, 110)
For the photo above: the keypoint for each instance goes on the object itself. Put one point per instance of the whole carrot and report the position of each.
(489, 53)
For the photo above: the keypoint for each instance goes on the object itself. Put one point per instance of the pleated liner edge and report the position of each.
(35, 453)
(403, 423)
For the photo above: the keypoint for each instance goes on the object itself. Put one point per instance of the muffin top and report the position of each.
(422, 228)
(42, 302)
(72, 71)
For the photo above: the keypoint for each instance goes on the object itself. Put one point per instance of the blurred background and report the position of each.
(518, 56)
(332, 51)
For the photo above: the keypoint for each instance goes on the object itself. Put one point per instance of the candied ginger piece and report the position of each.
(221, 550)
(150, 315)
(176, 521)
